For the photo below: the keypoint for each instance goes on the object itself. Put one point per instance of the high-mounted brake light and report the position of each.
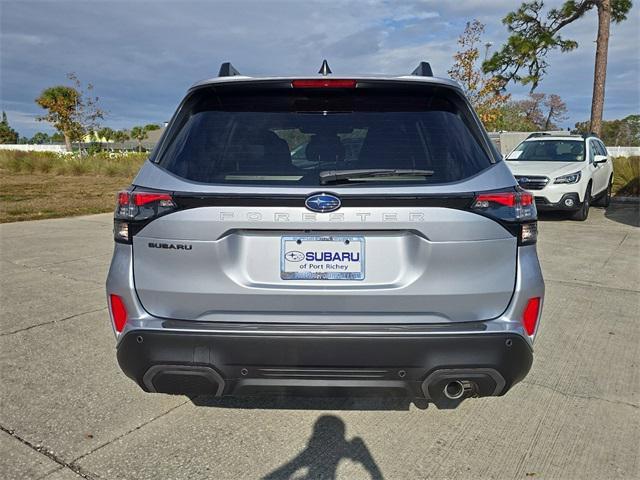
(324, 83)
(530, 315)
(136, 208)
(118, 312)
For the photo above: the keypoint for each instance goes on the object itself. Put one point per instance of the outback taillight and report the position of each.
(514, 209)
(134, 209)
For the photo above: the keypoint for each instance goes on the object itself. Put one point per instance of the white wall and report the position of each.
(34, 148)
(624, 151)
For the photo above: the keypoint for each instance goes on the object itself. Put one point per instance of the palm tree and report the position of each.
(120, 136)
(139, 134)
(62, 103)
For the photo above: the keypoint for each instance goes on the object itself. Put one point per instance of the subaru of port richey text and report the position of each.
(303, 235)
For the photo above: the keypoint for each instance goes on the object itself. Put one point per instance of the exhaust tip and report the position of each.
(454, 390)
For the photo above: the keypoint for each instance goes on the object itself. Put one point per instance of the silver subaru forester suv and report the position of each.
(323, 234)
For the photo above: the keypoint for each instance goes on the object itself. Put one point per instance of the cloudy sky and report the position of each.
(141, 56)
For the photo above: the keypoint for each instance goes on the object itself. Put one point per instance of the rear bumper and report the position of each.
(416, 365)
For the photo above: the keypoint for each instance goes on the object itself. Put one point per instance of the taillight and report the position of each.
(134, 209)
(514, 209)
(324, 83)
(530, 315)
(118, 312)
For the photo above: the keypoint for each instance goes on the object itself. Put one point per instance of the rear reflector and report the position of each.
(118, 312)
(324, 83)
(530, 315)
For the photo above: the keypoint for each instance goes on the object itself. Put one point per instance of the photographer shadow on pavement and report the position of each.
(324, 451)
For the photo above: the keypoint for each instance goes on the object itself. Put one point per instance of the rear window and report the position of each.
(290, 136)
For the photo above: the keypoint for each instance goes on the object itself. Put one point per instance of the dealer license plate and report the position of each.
(322, 258)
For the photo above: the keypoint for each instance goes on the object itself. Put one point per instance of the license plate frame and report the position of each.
(350, 243)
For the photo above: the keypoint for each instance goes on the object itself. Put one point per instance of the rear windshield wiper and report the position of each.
(334, 176)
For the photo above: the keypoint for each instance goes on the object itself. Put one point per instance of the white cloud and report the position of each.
(142, 55)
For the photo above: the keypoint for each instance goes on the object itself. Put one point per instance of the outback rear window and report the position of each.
(289, 136)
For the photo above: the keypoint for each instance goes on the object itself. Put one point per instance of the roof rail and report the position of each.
(589, 134)
(559, 133)
(228, 70)
(539, 134)
(423, 70)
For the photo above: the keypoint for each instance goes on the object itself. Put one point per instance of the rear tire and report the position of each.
(582, 214)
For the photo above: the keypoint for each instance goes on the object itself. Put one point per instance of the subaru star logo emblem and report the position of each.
(523, 180)
(294, 256)
(322, 202)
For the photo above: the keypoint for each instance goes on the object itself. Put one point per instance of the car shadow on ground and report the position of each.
(554, 216)
(626, 213)
(310, 403)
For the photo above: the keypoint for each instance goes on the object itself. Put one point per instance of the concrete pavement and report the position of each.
(68, 412)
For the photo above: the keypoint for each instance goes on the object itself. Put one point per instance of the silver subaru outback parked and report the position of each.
(325, 234)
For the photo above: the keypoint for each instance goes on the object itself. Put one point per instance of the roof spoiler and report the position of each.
(228, 70)
(423, 70)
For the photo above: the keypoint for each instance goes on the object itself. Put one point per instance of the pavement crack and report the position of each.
(52, 321)
(626, 235)
(590, 284)
(67, 277)
(138, 427)
(43, 268)
(47, 452)
(577, 395)
(62, 262)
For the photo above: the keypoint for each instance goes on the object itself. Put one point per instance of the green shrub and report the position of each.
(111, 169)
(80, 166)
(626, 176)
(111, 164)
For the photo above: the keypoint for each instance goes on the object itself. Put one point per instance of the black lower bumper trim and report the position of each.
(542, 204)
(247, 364)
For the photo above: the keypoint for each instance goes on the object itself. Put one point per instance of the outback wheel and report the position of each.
(582, 214)
(605, 200)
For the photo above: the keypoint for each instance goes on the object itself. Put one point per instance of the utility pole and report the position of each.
(487, 46)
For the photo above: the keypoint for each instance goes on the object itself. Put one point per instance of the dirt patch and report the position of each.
(36, 196)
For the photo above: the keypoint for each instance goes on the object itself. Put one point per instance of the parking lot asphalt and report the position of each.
(68, 412)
